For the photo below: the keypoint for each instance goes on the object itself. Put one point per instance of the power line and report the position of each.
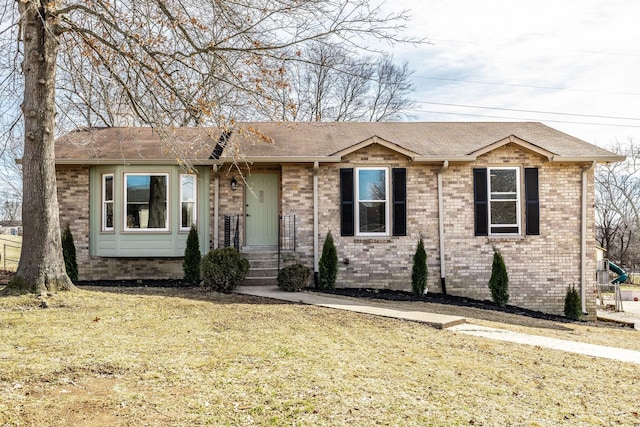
(526, 119)
(525, 86)
(529, 111)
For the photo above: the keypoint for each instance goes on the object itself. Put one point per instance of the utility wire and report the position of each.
(526, 86)
(526, 119)
(528, 111)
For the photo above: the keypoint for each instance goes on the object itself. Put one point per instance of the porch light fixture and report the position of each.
(234, 184)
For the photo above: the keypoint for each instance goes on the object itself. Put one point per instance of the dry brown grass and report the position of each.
(10, 247)
(163, 357)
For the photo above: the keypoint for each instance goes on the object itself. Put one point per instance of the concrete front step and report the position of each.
(263, 266)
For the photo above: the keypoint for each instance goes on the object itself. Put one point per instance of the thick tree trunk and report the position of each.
(41, 268)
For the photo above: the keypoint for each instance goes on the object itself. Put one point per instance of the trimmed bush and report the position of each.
(69, 254)
(192, 257)
(420, 271)
(499, 282)
(223, 269)
(572, 304)
(293, 278)
(328, 268)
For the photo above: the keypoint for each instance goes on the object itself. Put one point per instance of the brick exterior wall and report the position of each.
(540, 267)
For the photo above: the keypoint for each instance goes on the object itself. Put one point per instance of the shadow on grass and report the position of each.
(173, 289)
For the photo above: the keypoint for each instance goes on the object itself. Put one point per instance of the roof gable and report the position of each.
(371, 141)
(512, 139)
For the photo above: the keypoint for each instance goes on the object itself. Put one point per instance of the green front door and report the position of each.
(261, 212)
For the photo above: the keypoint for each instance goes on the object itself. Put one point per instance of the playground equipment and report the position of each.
(605, 282)
(622, 275)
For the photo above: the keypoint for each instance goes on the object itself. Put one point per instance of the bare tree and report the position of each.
(9, 206)
(334, 85)
(618, 203)
(174, 62)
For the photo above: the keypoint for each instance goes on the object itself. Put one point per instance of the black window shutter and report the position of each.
(399, 185)
(481, 207)
(532, 200)
(347, 223)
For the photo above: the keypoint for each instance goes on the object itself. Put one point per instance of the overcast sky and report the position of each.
(502, 60)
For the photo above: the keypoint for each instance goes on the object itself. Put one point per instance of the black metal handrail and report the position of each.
(286, 235)
(232, 231)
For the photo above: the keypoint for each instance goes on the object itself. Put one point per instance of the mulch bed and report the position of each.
(438, 298)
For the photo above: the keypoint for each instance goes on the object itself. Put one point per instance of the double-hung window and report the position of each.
(504, 200)
(187, 201)
(146, 202)
(372, 201)
(107, 202)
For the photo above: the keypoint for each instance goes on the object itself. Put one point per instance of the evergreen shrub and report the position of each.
(223, 269)
(572, 304)
(69, 254)
(499, 281)
(328, 268)
(420, 271)
(192, 257)
(293, 278)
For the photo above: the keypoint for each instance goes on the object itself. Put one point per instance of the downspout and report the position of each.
(443, 266)
(583, 239)
(216, 206)
(316, 260)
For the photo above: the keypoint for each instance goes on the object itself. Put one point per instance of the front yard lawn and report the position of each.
(185, 357)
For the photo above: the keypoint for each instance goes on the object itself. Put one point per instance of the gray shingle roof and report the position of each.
(316, 141)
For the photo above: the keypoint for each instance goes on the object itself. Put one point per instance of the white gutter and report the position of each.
(216, 206)
(443, 266)
(316, 258)
(583, 239)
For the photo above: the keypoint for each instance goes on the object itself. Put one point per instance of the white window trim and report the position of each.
(104, 202)
(518, 201)
(194, 218)
(387, 209)
(167, 203)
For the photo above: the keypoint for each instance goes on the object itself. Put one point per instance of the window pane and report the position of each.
(108, 215)
(371, 185)
(372, 217)
(108, 188)
(187, 201)
(187, 214)
(146, 201)
(187, 182)
(503, 181)
(503, 212)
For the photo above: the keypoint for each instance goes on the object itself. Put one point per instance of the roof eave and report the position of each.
(160, 162)
(587, 159)
(282, 159)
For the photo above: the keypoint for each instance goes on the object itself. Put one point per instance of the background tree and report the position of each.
(618, 205)
(334, 85)
(168, 63)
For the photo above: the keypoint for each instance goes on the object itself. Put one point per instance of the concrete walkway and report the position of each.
(439, 321)
(630, 316)
(453, 323)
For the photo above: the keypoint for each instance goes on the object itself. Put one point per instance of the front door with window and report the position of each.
(261, 211)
